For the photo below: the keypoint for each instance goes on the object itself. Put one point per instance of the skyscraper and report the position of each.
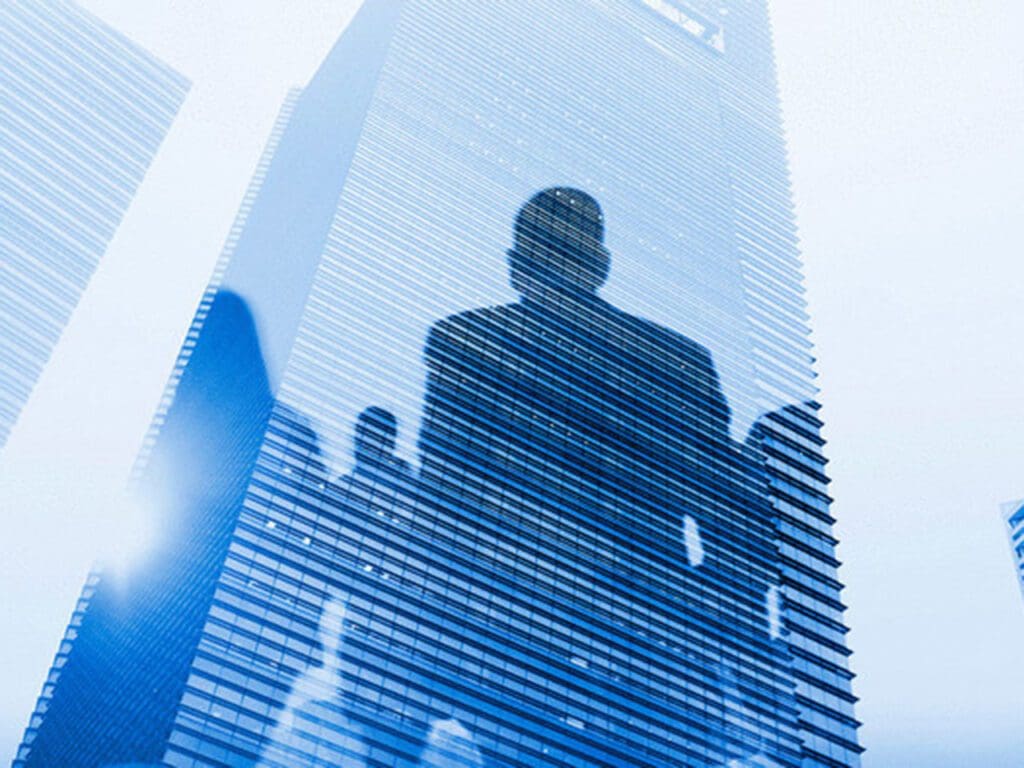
(1013, 515)
(494, 441)
(84, 111)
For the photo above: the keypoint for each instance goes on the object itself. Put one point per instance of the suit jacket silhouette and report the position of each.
(570, 403)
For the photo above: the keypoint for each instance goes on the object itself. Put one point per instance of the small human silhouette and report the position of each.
(561, 399)
(374, 440)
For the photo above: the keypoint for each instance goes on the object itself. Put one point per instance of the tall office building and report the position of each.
(1013, 515)
(494, 442)
(84, 111)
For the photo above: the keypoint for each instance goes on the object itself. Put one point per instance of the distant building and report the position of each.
(1013, 514)
(82, 113)
(494, 442)
(161, 581)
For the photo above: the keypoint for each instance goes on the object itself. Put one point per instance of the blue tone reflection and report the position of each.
(84, 111)
(493, 440)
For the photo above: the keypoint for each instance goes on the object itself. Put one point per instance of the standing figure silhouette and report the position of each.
(562, 402)
(373, 442)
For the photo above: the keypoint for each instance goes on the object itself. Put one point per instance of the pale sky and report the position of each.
(904, 123)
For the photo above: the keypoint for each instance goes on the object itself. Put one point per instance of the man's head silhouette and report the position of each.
(559, 236)
(376, 431)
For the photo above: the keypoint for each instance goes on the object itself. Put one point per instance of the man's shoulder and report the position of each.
(476, 320)
(665, 340)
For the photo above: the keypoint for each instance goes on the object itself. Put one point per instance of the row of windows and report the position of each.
(561, 593)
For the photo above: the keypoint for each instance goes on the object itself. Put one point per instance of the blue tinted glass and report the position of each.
(495, 442)
(84, 112)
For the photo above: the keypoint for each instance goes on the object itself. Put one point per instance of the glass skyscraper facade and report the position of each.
(1013, 515)
(494, 441)
(84, 111)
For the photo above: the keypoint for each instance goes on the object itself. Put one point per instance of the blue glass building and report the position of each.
(84, 111)
(1013, 515)
(494, 441)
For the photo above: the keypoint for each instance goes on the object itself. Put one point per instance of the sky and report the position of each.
(903, 121)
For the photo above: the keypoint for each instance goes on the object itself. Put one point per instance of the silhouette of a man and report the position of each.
(561, 399)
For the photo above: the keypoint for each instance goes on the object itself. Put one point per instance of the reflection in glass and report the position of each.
(450, 745)
(692, 541)
(585, 543)
(374, 440)
(773, 608)
(745, 750)
(564, 402)
(754, 761)
(314, 728)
